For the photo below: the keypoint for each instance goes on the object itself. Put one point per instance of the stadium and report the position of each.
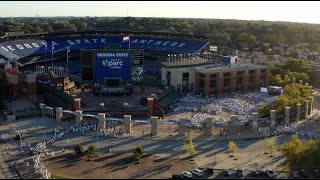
(115, 63)
(56, 49)
(69, 60)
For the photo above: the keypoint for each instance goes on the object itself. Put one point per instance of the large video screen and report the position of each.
(112, 63)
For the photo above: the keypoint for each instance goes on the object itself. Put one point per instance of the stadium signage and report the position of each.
(112, 54)
(112, 63)
(18, 45)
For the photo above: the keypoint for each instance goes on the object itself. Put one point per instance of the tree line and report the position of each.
(232, 33)
(293, 93)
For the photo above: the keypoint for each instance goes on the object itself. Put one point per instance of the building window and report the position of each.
(168, 77)
(251, 83)
(263, 80)
(202, 81)
(185, 82)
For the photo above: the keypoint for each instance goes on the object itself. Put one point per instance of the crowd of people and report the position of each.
(294, 128)
(240, 105)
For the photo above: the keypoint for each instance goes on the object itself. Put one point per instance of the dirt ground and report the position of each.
(116, 166)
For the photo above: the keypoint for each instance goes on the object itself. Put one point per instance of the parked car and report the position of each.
(240, 173)
(177, 176)
(210, 171)
(303, 173)
(254, 173)
(270, 173)
(226, 173)
(186, 174)
(197, 172)
(295, 174)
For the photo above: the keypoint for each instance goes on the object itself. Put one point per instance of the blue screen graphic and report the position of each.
(112, 64)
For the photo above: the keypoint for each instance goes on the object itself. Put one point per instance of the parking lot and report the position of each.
(219, 174)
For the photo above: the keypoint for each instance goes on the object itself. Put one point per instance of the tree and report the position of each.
(78, 149)
(300, 154)
(161, 113)
(272, 148)
(91, 151)
(232, 147)
(138, 153)
(265, 143)
(190, 147)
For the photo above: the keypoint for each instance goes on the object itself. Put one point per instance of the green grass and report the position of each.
(285, 170)
(54, 176)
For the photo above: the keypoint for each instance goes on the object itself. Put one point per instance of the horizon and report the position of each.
(280, 11)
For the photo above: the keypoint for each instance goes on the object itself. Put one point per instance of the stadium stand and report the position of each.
(26, 51)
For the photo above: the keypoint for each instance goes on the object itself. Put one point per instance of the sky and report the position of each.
(294, 11)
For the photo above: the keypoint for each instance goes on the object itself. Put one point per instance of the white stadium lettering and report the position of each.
(54, 43)
(94, 40)
(174, 44)
(9, 47)
(134, 41)
(28, 46)
(5, 48)
(150, 41)
(35, 44)
(78, 41)
(86, 41)
(158, 43)
(70, 42)
(165, 43)
(19, 46)
(182, 44)
(103, 40)
(142, 41)
(44, 43)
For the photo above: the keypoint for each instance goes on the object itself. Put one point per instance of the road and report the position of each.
(8, 154)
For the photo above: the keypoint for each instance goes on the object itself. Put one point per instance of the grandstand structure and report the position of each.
(24, 51)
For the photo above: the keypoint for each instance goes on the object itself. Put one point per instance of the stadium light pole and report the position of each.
(97, 139)
(45, 56)
(67, 70)
(129, 41)
(52, 48)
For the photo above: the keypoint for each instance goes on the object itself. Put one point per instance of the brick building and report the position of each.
(216, 79)
(21, 84)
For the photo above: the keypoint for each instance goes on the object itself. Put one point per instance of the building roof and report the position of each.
(208, 68)
(223, 68)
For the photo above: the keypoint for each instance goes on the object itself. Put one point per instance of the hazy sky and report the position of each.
(302, 11)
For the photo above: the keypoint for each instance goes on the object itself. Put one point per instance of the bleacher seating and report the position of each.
(155, 44)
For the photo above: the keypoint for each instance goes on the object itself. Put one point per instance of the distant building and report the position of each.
(216, 79)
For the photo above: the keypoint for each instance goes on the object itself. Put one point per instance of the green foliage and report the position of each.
(78, 149)
(91, 151)
(190, 147)
(293, 68)
(237, 33)
(304, 154)
(138, 153)
(272, 147)
(54, 176)
(232, 147)
(293, 94)
(161, 113)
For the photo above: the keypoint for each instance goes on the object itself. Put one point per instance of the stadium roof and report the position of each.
(28, 48)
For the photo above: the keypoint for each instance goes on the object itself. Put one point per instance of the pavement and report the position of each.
(210, 150)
